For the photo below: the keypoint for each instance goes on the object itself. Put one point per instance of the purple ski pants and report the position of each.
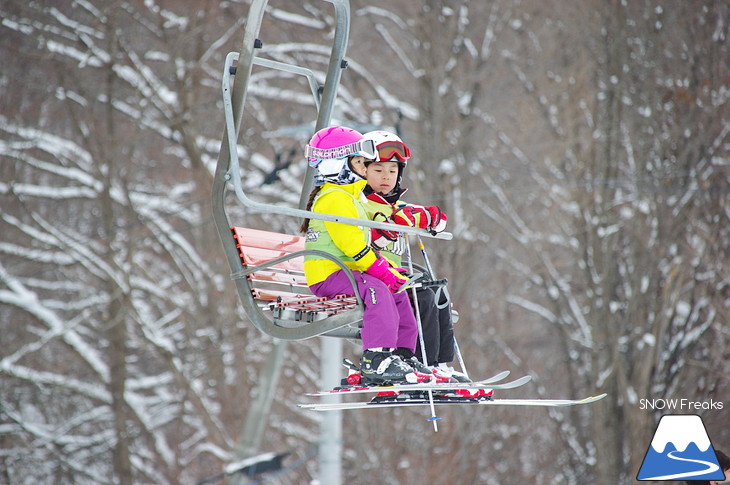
(388, 319)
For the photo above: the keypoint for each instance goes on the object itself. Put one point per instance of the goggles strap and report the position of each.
(365, 148)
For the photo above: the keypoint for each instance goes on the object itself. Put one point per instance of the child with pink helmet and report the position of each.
(339, 154)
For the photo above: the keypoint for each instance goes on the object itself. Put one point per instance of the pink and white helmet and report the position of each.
(329, 150)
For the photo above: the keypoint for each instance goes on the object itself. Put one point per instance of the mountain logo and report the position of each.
(680, 449)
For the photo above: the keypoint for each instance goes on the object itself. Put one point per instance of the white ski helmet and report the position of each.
(390, 149)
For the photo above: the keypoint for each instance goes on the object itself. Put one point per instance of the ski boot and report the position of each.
(446, 373)
(380, 366)
(409, 358)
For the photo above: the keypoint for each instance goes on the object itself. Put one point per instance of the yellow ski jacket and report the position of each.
(351, 244)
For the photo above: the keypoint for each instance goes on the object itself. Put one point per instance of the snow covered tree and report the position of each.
(581, 153)
(121, 353)
(580, 150)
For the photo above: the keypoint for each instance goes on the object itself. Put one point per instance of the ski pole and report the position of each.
(433, 418)
(433, 277)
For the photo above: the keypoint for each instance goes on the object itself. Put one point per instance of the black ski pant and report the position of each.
(438, 332)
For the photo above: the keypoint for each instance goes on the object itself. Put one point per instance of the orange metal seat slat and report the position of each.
(257, 247)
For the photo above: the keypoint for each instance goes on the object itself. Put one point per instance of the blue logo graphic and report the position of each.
(680, 449)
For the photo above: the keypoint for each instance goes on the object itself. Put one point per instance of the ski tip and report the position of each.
(523, 380)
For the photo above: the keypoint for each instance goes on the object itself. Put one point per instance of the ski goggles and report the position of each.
(394, 149)
(363, 148)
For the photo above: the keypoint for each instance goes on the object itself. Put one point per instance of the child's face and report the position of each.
(382, 176)
(357, 164)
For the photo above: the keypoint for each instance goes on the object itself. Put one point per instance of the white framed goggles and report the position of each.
(363, 148)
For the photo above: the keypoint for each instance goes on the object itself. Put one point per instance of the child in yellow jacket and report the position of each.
(339, 154)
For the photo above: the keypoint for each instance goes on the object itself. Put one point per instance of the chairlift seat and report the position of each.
(274, 266)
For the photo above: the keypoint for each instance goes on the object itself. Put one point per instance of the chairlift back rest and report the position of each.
(282, 286)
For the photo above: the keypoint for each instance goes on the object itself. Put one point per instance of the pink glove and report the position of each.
(425, 217)
(381, 238)
(382, 270)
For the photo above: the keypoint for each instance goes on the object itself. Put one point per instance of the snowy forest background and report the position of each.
(581, 150)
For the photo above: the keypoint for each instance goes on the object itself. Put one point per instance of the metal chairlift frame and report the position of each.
(227, 174)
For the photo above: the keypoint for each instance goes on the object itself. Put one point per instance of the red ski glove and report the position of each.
(425, 217)
(380, 238)
(383, 271)
(438, 219)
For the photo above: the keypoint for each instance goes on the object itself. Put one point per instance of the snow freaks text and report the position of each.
(679, 404)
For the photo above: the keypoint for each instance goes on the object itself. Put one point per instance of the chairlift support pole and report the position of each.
(227, 170)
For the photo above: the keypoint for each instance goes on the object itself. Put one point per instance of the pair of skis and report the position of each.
(473, 393)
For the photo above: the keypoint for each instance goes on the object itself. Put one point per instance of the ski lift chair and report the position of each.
(267, 267)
